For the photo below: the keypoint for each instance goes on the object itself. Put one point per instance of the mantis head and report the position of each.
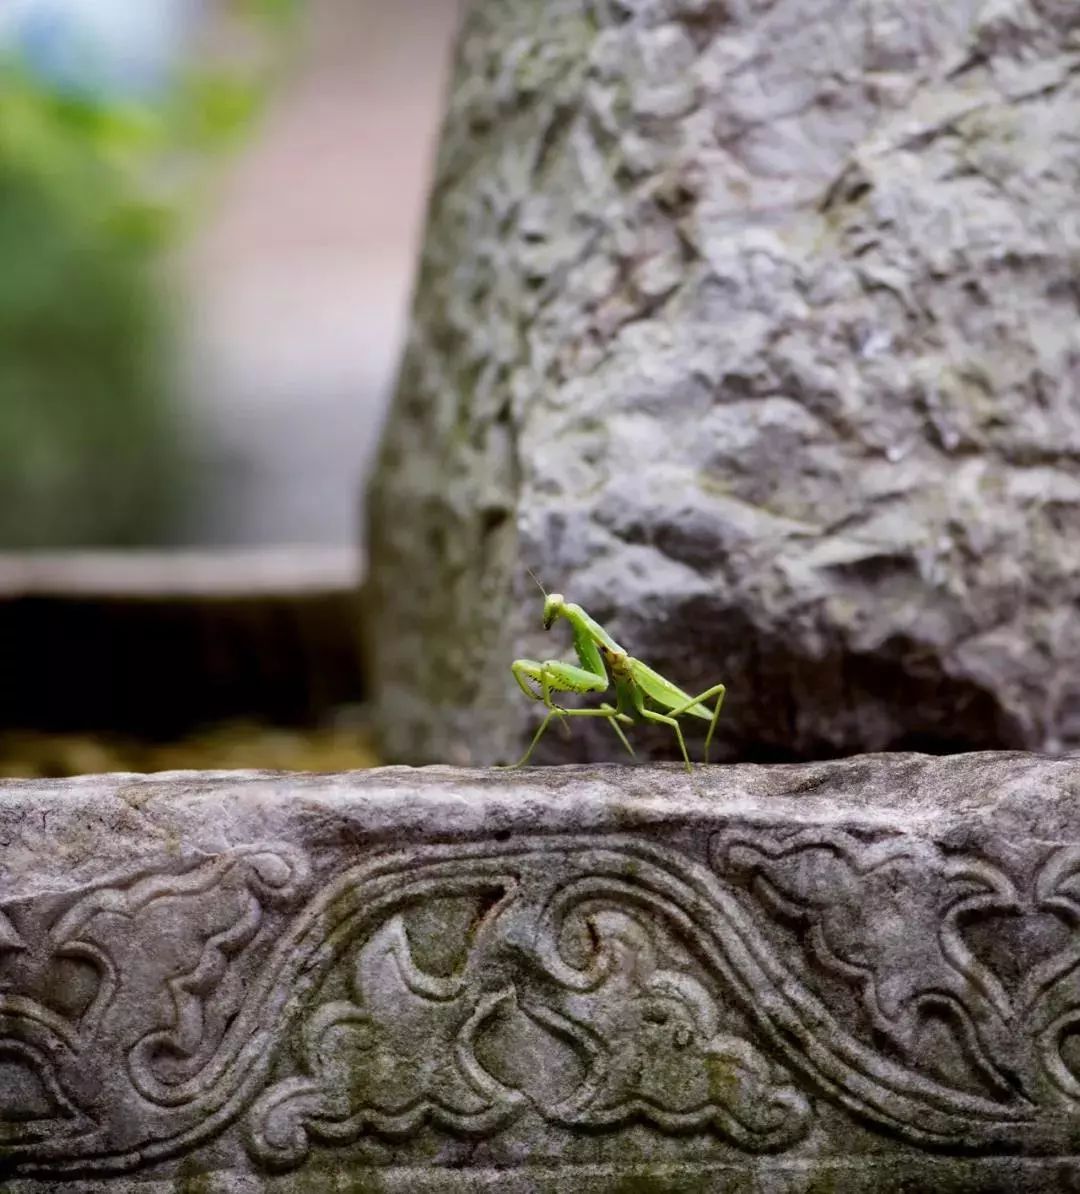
(553, 607)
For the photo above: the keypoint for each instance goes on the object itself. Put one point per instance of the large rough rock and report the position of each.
(754, 328)
(857, 976)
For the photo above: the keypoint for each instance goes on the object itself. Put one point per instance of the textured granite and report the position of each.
(858, 976)
(752, 327)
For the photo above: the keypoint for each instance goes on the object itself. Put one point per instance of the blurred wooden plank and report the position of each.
(204, 573)
(162, 644)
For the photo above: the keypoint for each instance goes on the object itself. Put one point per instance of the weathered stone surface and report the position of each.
(861, 976)
(753, 328)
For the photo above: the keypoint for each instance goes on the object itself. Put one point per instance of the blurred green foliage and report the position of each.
(91, 191)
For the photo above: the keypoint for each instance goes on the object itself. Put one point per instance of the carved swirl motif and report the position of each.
(129, 992)
(890, 919)
(591, 981)
(576, 955)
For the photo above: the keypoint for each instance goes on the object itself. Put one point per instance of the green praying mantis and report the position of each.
(641, 694)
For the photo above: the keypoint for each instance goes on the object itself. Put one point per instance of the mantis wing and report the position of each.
(663, 692)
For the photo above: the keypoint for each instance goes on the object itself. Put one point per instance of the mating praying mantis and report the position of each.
(641, 694)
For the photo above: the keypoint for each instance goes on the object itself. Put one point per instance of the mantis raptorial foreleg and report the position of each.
(554, 675)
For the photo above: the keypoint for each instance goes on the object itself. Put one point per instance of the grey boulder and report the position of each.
(752, 328)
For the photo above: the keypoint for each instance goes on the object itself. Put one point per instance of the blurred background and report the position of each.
(209, 216)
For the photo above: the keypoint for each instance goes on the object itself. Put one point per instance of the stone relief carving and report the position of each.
(895, 920)
(574, 956)
(121, 1011)
(592, 982)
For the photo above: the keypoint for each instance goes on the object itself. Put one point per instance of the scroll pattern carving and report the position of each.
(579, 951)
(416, 990)
(119, 1009)
(897, 921)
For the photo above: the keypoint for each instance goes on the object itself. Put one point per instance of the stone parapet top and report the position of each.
(853, 975)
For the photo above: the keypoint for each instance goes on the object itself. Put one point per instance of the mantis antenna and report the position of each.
(537, 580)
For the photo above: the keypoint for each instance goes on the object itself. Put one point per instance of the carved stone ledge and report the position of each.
(861, 975)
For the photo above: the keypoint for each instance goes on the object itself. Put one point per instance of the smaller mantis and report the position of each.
(641, 694)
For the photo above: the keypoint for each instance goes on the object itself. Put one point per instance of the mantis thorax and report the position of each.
(616, 660)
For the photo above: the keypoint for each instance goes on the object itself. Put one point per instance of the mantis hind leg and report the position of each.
(609, 711)
(718, 691)
(667, 719)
